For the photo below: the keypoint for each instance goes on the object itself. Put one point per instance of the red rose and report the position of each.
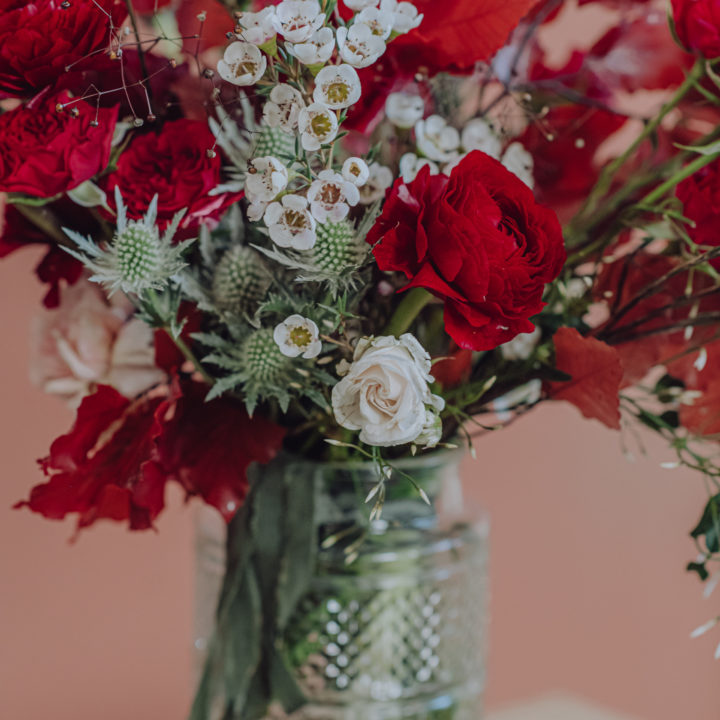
(38, 40)
(44, 152)
(479, 241)
(175, 165)
(700, 196)
(697, 23)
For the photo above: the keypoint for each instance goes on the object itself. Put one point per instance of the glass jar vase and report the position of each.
(376, 619)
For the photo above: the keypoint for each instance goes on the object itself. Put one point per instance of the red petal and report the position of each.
(596, 374)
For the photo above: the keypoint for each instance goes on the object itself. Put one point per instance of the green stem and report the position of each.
(189, 355)
(406, 312)
(678, 177)
(44, 219)
(608, 174)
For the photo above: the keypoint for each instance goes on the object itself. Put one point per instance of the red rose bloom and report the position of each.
(38, 40)
(174, 165)
(479, 241)
(697, 23)
(44, 152)
(700, 196)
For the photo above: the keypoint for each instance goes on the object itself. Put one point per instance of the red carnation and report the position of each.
(175, 165)
(700, 195)
(39, 40)
(479, 241)
(44, 152)
(119, 455)
(697, 23)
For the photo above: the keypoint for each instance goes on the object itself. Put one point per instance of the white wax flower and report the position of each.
(331, 196)
(356, 171)
(478, 134)
(403, 109)
(89, 340)
(316, 50)
(356, 5)
(297, 20)
(242, 64)
(379, 180)
(436, 139)
(290, 223)
(266, 178)
(358, 46)
(521, 346)
(380, 22)
(385, 393)
(318, 126)
(405, 15)
(257, 27)
(411, 165)
(283, 107)
(298, 335)
(337, 86)
(520, 162)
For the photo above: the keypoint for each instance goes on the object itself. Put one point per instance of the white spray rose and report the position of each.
(385, 394)
(478, 134)
(436, 139)
(411, 165)
(519, 162)
(403, 109)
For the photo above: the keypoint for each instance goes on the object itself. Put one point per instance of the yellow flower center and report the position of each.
(321, 125)
(295, 220)
(300, 336)
(337, 91)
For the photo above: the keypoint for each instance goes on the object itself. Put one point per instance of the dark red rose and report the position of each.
(175, 165)
(38, 40)
(118, 457)
(700, 195)
(697, 23)
(479, 241)
(44, 152)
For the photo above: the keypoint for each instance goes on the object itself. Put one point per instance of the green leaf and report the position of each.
(712, 148)
(709, 525)
(699, 568)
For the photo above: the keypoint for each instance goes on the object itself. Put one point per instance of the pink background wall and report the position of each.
(589, 592)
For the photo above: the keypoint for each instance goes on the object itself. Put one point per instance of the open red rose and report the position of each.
(700, 196)
(44, 152)
(697, 23)
(39, 39)
(175, 165)
(479, 241)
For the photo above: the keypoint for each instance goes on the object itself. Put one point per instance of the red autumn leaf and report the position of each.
(454, 369)
(208, 446)
(595, 372)
(703, 416)
(104, 467)
(454, 36)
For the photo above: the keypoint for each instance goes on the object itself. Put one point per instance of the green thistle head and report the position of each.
(275, 142)
(337, 247)
(241, 280)
(264, 362)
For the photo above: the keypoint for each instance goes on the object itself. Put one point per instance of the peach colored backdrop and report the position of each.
(588, 588)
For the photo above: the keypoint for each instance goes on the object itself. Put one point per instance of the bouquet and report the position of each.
(357, 231)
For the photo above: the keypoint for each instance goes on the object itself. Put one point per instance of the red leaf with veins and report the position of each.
(595, 372)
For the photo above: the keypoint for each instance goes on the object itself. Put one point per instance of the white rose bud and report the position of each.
(519, 162)
(385, 394)
(242, 64)
(404, 110)
(298, 335)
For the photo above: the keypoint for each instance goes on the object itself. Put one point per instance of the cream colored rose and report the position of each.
(385, 393)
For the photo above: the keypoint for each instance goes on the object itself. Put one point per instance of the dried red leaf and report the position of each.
(595, 372)
(703, 416)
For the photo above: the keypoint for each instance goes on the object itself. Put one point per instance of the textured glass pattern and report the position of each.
(393, 623)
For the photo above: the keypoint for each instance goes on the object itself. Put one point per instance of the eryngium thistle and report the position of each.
(241, 280)
(263, 360)
(275, 142)
(337, 247)
(138, 258)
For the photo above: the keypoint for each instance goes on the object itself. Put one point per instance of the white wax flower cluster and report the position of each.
(385, 393)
